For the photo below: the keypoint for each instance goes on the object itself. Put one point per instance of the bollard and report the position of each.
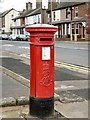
(41, 102)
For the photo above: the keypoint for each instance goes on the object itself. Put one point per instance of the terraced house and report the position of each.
(69, 17)
(6, 19)
(29, 16)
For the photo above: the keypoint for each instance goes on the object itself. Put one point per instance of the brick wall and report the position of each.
(81, 11)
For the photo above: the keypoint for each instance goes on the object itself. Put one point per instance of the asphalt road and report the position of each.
(19, 67)
(69, 52)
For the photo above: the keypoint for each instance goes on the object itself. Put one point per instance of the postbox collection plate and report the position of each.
(45, 53)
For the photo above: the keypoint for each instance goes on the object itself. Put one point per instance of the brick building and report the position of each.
(70, 18)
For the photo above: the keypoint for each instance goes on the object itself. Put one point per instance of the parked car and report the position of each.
(12, 37)
(28, 37)
(3, 36)
(22, 37)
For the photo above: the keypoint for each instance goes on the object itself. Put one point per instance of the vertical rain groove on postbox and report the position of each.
(35, 70)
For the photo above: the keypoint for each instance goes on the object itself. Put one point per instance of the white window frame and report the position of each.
(73, 29)
(77, 28)
(34, 19)
(76, 11)
(54, 16)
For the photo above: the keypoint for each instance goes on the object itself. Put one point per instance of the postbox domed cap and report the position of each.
(41, 27)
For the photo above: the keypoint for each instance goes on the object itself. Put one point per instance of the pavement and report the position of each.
(16, 105)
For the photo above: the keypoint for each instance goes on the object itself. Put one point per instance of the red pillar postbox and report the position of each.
(41, 69)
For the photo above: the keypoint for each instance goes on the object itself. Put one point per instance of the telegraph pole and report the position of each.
(51, 12)
(44, 15)
(41, 12)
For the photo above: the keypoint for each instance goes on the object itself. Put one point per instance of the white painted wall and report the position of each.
(18, 22)
(57, 15)
(8, 19)
(32, 19)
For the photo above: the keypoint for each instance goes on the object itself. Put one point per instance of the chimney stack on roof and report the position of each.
(28, 6)
(38, 3)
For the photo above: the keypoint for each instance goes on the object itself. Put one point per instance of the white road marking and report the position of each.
(26, 56)
(8, 45)
(76, 48)
(64, 87)
(24, 47)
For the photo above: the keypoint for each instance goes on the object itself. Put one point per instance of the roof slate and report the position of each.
(6, 12)
(62, 5)
(36, 11)
(29, 13)
(55, 6)
(24, 14)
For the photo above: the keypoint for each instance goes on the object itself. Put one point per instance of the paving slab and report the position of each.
(73, 110)
(23, 112)
(12, 88)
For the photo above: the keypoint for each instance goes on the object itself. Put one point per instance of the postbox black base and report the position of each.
(41, 107)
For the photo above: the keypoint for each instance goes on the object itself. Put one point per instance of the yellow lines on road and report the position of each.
(72, 67)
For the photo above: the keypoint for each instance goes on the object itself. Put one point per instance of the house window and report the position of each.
(3, 21)
(67, 29)
(34, 19)
(26, 20)
(11, 16)
(72, 28)
(54, 15)
(38, 19)
(23, 21)
(67, 13)
(77, 28)
(50, 15)
(49, 18)
(63, 29)
(76, 11)
(14, 20)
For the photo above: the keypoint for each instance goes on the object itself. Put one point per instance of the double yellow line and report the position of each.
(84, 70)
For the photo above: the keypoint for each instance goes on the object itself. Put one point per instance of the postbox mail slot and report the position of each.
(45, 39)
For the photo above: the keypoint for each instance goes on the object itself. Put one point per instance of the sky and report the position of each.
(17, 4)
(21, 4)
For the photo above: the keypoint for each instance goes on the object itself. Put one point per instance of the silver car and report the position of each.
(12, 37)
(3, 36)
(22, 37)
